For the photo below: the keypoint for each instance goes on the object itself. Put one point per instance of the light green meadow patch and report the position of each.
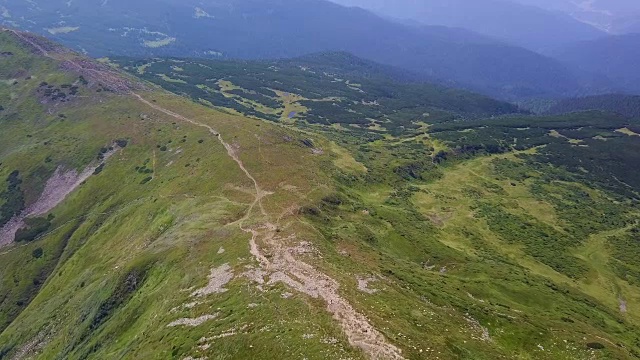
(226, 85)
(171, 80)
(345, 161)
(62, 30)
(107, 61)
(159, 42)
(143, 68)
(627, 131)
(214, 53)
(556, 134)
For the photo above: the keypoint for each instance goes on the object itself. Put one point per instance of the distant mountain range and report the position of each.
(527, 26)
(253, 29)
(616, 57)
(614, 16)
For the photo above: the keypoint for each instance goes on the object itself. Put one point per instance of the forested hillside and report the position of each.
(627, 105)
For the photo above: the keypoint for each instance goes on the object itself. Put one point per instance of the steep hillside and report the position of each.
(258, 29)
(486, 190)
(168, 224)
(155, 227)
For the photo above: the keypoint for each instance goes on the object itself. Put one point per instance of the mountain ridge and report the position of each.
(614, 56)
(508, 21)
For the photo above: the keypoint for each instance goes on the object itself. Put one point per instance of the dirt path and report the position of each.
(28, 41)
(284, 267)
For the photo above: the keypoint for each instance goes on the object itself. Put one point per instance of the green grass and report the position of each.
(497, 280)
(178, 220)
(478, 252)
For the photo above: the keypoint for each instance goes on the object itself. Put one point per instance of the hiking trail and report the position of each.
(285, 268)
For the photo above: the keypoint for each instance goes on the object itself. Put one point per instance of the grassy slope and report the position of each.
(173, 226)
(430, 239)
(450, 283)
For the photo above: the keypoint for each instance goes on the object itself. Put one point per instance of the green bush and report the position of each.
(34, 228)
(37, 253)
(122, 143)
(13, 198)
(595, 346)
(98, 170)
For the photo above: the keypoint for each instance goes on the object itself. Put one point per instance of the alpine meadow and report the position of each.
(215, 184)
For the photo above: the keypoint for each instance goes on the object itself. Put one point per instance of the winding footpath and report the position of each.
(282, 266)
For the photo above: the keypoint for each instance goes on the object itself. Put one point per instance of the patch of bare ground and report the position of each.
(231, 332)
(100, 74)
(482, 333)
(205, 343)
(218, 278)
(283, 266)
(193, 322)
(94, 72)
(31, 348)
(439, 220)
(37, 43)
(623, 306)
(9, 230)
(190, 305)
(363, 285)
(58, 187)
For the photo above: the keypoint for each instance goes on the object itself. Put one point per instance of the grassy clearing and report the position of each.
(345, 161)
(292, 108)
(159, 42)
(62, 30)
(627, 131)
(172, 80)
